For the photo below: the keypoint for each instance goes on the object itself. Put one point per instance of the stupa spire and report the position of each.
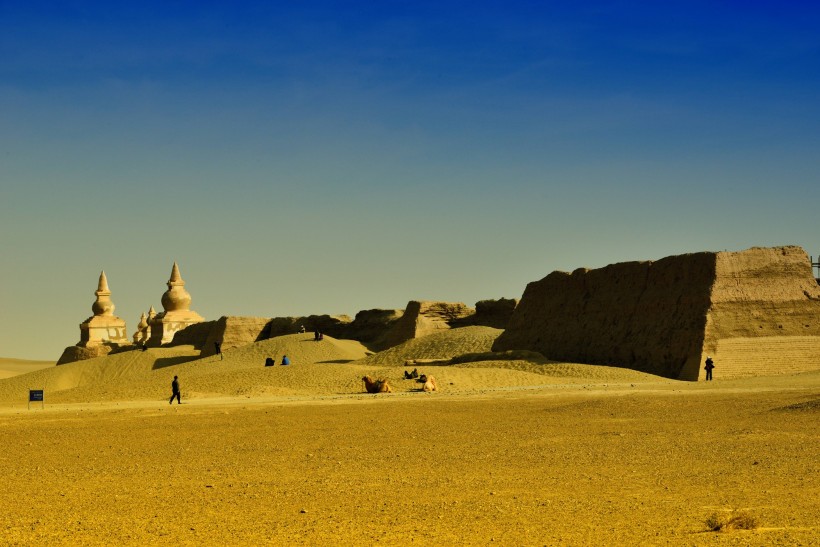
(176, 278)
(102, 286)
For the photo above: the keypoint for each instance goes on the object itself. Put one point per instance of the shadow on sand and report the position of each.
(163, 362)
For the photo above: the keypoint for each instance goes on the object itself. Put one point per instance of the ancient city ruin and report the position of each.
(756, 312)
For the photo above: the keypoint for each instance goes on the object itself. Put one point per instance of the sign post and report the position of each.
(35, 395)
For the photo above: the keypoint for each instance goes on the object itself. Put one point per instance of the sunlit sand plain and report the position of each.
(507, 452)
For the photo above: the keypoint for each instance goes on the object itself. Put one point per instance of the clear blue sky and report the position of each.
(328, 157)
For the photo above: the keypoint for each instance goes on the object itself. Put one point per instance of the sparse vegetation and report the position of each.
(731, 520)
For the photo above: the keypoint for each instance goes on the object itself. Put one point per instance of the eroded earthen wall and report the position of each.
(421, 318)
(756, 312)
(234, 331)
(648, 316)
(765, 315)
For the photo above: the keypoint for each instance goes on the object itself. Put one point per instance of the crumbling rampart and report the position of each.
(663, 317)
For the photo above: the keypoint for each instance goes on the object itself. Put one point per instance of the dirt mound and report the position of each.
(510, 355)
(567, 372)
(442, 345)
(317, 368)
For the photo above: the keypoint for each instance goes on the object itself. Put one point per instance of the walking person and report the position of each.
(218, 348)
(708, 368)
(175, 392)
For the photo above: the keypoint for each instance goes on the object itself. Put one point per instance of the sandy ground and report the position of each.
(508, 453)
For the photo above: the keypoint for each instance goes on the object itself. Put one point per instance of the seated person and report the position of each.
(285, 361)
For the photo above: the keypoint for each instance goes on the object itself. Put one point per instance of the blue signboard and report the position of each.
(36, 395)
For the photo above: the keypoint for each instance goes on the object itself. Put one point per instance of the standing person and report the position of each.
(218, 348)
(709, 366)
(175, 392)
(316, 335)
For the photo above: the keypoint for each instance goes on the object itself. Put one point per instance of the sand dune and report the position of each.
(14, 367)
(441, 345)
(319, 369)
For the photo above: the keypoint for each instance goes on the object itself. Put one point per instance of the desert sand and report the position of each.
(509, 452)
(15, 367)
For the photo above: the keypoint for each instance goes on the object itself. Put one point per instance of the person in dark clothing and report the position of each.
(708, 368)
(175, 392)
(269, 362)
(218, 348)
(316, 335)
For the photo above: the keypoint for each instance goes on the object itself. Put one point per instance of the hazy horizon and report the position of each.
(330, 157)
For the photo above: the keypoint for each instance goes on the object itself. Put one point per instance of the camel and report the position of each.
(430, 384)
(376, 386)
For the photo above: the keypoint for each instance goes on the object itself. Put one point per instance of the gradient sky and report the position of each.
(329, 157)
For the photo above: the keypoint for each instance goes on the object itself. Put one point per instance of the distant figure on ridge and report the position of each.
(708, 368)
(218, 348)
(175, 392)
(316, 335)
(285, 361)
(302, 329)
(321, 336)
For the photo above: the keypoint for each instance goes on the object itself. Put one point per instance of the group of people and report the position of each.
(270, 361)
(316, 334)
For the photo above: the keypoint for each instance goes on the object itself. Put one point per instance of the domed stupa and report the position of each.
(143, 330)
(100, 333)
(177, 315)
(103, 327)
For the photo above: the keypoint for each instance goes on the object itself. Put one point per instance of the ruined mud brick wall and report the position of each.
(234, 331)
(370, 326)
(642, 315)
(421, 318)
(193, 335)
(489, 313)
(664, 317)
(765, 313)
